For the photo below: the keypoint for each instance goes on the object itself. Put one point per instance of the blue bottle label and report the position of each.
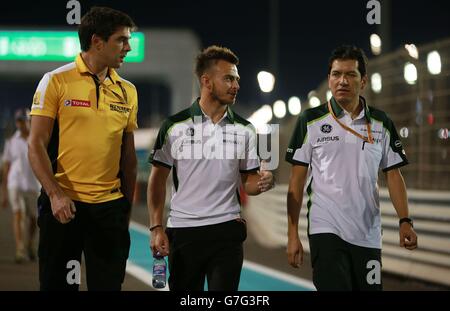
(159, 269)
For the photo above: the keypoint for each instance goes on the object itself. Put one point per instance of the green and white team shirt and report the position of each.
(343, 191)
(207, 160)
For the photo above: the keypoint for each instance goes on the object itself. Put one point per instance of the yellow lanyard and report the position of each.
(368, 139)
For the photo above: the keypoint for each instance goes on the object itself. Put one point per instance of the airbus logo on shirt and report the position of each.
(327, 139)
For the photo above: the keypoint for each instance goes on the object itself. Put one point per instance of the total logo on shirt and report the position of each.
(77, 103)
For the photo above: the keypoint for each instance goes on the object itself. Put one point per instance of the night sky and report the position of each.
(308, 31)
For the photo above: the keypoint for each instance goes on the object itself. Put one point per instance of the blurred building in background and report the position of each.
(160, 65)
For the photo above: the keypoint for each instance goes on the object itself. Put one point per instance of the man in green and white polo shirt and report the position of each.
(345, 142)
(212, 151)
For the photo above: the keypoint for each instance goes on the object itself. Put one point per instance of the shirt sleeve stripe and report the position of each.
(153, 161)
(403, 163)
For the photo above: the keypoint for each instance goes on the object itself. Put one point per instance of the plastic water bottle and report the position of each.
(159, 271)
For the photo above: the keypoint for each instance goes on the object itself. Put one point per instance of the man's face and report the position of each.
(22, 125)
(223, 82)
(114, 50)
(345, 81)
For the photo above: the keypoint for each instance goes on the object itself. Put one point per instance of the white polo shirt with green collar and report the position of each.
(343, 191)
(207, 160)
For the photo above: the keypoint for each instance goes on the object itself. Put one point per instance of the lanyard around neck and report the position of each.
(368, 139)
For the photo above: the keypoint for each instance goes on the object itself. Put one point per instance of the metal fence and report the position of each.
(429, 262)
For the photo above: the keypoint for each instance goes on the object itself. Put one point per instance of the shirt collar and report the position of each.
(83, 69)
(338, 110)
(17, 134)
(196, 110)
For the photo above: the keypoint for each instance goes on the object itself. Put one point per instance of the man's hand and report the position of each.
(266, 180)
(63, 208)
(159, 242)
(408, 237)
(256, 182)
(295, 252)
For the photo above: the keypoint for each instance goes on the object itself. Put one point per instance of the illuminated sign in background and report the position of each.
(54, 46)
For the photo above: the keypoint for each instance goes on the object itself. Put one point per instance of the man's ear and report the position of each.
(364, 82)
(205, 81)
(96, 42)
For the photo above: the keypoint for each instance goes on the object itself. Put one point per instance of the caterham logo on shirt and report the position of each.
(77, 103)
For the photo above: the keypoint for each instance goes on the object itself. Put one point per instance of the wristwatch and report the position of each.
(405, 219)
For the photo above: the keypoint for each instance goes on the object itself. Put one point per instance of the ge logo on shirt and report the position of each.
(326, 128)
(190, 132)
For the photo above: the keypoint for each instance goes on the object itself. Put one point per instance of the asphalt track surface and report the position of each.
(265, 269)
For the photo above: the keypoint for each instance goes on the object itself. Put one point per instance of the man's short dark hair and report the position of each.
(211, 55)
(103, 22)
(346, 52)
(22, 114)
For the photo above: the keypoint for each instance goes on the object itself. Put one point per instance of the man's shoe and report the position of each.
(32, 254)
(19, 258)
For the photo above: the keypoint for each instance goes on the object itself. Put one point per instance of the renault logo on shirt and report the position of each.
(326, 128)
(119, 109)
(36, 98)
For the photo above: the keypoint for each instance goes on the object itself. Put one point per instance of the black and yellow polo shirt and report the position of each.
(90, 119)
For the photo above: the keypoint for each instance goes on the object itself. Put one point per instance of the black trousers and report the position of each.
(213, 251)
(341, 266)
(99, 230)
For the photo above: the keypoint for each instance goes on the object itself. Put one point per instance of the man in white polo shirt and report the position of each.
(345, 142)
(212, 151)
(21, 187)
